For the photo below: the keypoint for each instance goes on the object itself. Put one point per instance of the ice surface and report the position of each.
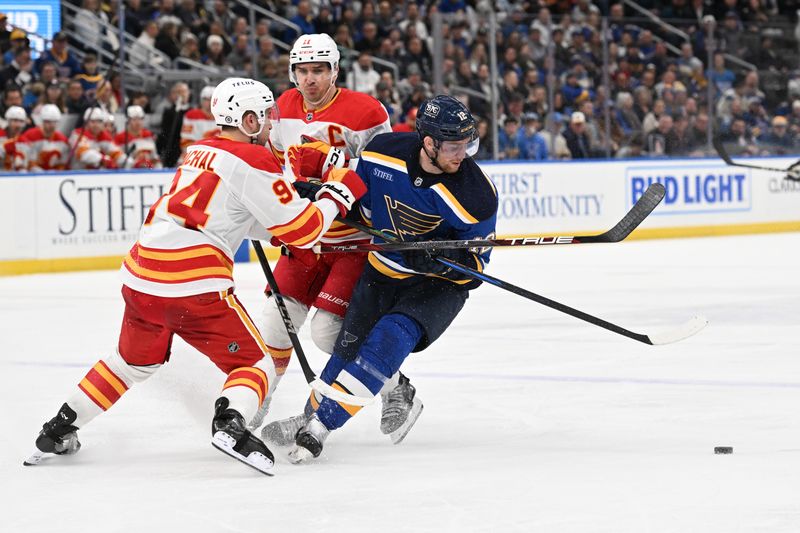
(533, 420)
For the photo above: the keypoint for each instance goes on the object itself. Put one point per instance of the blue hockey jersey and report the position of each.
(413, 205)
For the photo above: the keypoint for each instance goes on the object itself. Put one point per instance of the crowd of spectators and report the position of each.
(565, 91)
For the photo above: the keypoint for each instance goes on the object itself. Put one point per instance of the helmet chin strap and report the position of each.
(253, 136)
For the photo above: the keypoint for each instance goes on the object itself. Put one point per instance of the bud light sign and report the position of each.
(693, 189)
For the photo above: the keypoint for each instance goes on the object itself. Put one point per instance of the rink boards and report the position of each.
(89, 220)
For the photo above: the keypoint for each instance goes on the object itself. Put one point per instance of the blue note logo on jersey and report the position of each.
(408, 221)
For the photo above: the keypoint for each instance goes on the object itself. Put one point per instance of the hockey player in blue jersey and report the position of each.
(421, 186)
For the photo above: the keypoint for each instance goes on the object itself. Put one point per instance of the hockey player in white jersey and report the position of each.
(178, 276)
(331, 125)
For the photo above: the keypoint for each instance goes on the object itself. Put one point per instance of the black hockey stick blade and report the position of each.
(645, 205)
(791, 173)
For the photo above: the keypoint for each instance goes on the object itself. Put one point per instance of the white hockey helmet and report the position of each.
(135, 111)
(234, 97)
(314, 48)
(15, 112)
(50, 113)
(207, 92)
(94, 113)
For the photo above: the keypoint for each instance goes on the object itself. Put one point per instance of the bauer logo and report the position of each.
(696, 189)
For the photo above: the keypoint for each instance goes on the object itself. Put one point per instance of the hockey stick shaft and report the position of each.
(311, 377)
(725, 156)
(685, 330)
(640, 210)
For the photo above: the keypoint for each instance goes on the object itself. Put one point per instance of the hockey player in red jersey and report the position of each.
(92, 145)
(45, 147)
(12, 155)
(178, 276)
(198, 122)
(327, 116)
(138, 142)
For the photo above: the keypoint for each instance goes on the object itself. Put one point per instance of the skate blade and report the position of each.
(299, 455)
(400, 433)
(225, 443)
(37, 457)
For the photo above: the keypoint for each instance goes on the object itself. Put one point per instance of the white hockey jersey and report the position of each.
(94, 151)
(12, 155)
(44, 153)
(140, 149)
(223, 192)
(197, 125)
(348, 121)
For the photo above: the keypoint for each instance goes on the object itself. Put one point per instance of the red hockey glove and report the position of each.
(313, 159)
(343, 186)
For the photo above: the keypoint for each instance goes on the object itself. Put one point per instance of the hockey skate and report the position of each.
(229, 435)
(400, 411)
(283, 432)
(309, 441)
(58, 436)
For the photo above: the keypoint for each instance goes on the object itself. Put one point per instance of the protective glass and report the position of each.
(459, 148)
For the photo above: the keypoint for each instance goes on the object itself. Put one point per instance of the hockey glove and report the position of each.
(424, 261)
(313, 159)
(343, 186)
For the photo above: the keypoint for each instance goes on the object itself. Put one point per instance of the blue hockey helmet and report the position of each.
(444, 118)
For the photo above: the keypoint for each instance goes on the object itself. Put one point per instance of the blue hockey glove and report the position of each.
(425, 260)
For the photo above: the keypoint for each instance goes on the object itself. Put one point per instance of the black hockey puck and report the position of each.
(723, 449)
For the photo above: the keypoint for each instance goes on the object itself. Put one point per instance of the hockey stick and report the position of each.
(312, 379)
(792, 172)
(640, 210)
(689, 328)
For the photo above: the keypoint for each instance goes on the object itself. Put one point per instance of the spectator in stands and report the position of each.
(576, 137)
(241, 56)
(778, 140)
(662, 140)
(409, 124)
(167, 40)
(18, 40)
(412, 83)
(412, 19)
(486, 146)
(698, 134)
(416, 53)
(190, 48)
(719, 75)
(556, 143)
(626, 118)
(53, 94)
(141, 52)
(362, 77)
(738, 140)
(304, 18)
(794, 119)
(532, 145)
(650, 121)
(680, 127)
(137, 142)
(215, 52)
(58, 53)
(88, 23)
(20, 70)
(508, 141)
(89, 77)
(388, 96)
(76, 101)
(172, 111)
(223, 16)
(731, 35)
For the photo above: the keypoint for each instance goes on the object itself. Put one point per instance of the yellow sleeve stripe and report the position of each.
(382, 159)
(169, 255)
(454, 204)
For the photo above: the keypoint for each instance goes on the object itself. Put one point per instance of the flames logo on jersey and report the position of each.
(408, 221)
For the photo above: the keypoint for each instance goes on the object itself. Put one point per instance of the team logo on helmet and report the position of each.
(432, 110)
